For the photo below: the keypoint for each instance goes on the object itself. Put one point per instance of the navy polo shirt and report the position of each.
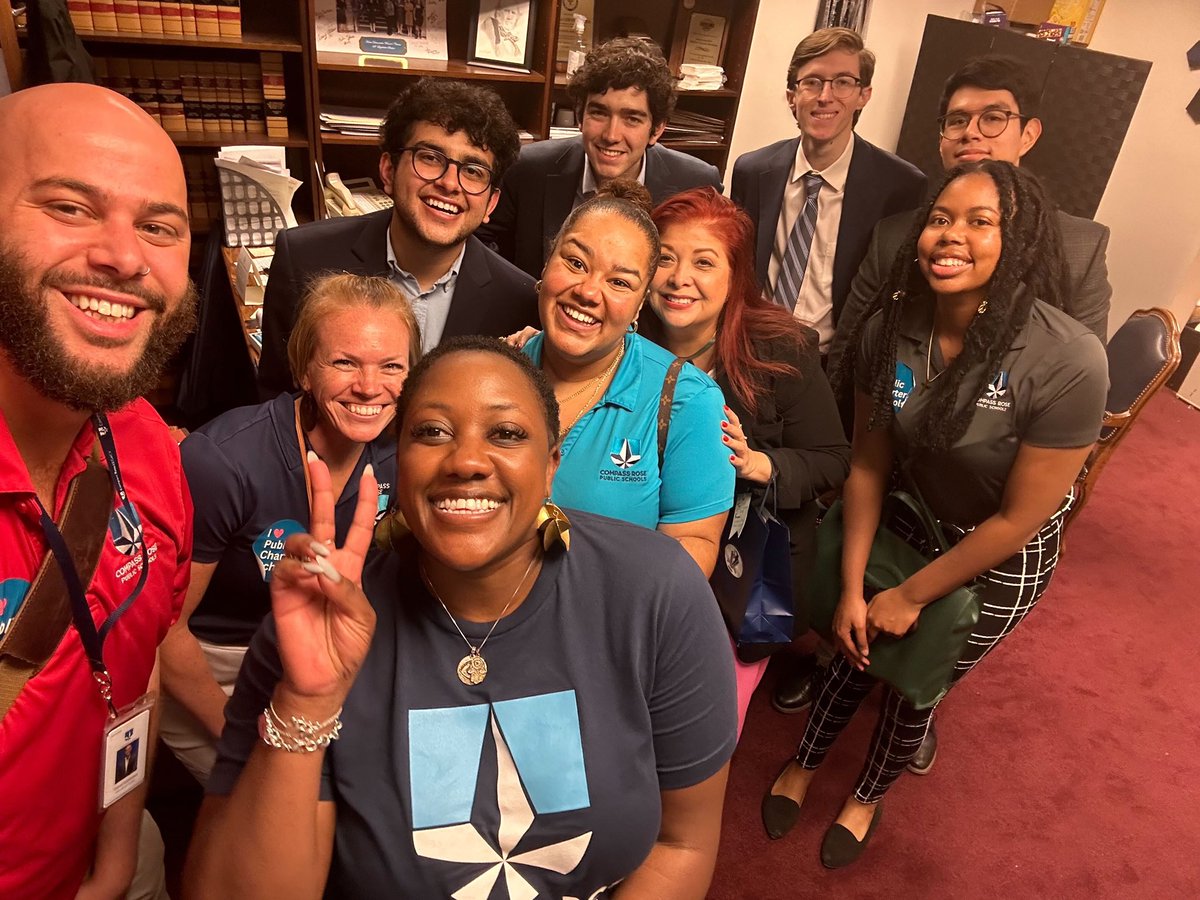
(247, 484)
(610, 458)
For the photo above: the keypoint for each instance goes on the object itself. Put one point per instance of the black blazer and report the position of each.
(877, 185)
(537, 194)
(798, 427)
(491, 296)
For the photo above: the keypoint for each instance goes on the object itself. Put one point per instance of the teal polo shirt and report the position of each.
(610, 458)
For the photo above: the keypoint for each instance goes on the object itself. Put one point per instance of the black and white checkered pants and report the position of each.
(1010, 591)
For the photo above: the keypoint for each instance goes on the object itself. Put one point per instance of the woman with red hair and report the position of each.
(782, 423)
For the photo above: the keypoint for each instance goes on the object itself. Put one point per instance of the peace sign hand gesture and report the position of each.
(323, 620)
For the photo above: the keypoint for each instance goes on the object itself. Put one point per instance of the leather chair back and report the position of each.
(1142, 355)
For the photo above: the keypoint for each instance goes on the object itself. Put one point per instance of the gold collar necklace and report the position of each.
(472, 668)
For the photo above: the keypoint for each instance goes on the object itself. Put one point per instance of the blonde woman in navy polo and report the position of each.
(354, 343)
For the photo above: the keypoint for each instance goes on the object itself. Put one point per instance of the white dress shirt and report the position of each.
(814, 305)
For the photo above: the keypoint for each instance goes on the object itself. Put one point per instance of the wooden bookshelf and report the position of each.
(287, 27)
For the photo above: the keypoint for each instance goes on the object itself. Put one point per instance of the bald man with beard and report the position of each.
(94, 297)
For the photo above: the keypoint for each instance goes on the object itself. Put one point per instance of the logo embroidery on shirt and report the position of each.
(126, 530)
(995, 397)
(625, 457)
(625, 454)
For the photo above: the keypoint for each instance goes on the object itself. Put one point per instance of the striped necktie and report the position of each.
(795, 257)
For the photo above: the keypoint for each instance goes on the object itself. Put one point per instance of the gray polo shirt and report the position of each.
(1050, 392)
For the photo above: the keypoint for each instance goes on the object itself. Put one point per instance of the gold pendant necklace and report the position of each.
(595, 384)
(472, 668)
(929, 359)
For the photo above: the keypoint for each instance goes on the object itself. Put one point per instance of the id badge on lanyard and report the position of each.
(126, 733)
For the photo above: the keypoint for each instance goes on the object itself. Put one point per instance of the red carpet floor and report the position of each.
(1070, 759)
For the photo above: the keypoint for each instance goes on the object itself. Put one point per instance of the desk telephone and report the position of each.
(353, 197)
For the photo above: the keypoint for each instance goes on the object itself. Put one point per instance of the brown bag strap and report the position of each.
(40, 623)
(664, 406)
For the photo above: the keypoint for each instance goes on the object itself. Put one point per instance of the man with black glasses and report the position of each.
(816, 197)
(445, 146)
(989, 110)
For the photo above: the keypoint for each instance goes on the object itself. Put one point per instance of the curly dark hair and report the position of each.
(624, 63)
(1031, 265)
(478, 344)
(454, 106)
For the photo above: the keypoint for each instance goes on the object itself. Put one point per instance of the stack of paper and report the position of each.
(690, 126)
(697, 77)
(351, 120)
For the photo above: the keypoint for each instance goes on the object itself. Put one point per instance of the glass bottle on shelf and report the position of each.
(577, 54)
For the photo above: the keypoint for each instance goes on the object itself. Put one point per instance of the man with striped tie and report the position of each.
(816, 198)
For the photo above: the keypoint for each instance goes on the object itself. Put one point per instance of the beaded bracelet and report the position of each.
(302, 736)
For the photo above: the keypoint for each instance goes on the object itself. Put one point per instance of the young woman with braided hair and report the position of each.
(969, 377)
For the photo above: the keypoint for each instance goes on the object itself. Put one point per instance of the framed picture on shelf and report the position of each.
(701, 32)
(502, 33)
(387, 29)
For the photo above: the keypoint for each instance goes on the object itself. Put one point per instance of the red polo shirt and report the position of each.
(50, 741)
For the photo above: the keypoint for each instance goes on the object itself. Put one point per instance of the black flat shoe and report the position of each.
(797, 687)
(779, 813)
(841, 847)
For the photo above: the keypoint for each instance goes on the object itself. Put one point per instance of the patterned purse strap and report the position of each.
(664, 407)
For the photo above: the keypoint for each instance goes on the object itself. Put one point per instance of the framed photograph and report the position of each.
(384, 29)
(502, 33)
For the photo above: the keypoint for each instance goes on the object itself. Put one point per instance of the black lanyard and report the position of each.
(93, 638)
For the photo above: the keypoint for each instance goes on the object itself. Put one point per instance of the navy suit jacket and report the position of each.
(877, 185)
(491, 296)
(537, 194)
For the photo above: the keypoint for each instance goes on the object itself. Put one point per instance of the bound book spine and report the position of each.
(145, 91)
(126, 14)
(229, 18)
(81, 14)
(187, 17)
(170, 95)
(104, 15)
(193, 111)
(150, 14)
(171, 21)
(206, 19)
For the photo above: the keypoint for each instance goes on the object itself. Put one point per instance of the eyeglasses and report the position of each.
(992, 123)
(430, 165)
(841, 87)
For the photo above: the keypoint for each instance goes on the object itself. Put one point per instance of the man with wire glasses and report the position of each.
(445, 146)
(988, 110)
(815, 198)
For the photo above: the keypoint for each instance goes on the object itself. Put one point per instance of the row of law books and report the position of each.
(203, 191)
(203, 98)
(169, 18)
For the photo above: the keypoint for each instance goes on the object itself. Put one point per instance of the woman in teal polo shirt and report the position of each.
(609, 383)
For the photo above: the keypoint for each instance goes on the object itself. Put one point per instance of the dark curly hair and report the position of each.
(454, 106)
(1031, 265)
(479, 344)
(624, 63)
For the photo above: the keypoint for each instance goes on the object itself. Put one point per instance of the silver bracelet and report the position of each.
(302, 735)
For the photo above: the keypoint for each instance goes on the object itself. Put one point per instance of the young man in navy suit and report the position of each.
(815, 199)
(856, 183)
(623, 95)
(445, 147)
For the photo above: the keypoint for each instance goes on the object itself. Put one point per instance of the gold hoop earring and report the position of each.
(537, 287)
(390, 530)
(983, 307)
(554, 526)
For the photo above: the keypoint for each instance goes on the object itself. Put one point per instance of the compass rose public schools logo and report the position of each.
(995, 396)
(539, 773)
(624, 456)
